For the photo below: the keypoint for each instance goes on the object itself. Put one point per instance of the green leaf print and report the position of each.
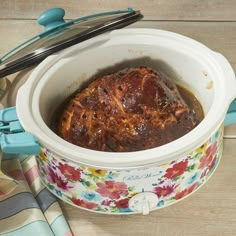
(131, 188)
(114, 209)
(198, 155)
(176, 178)
(191, 168)
(50, 186)
(86, 183)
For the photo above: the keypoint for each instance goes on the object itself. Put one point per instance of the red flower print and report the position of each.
(85, 204)
(69, 172)
(208, 157)
(54, 178)
(123, 203)
(212, 165)
(205, 161)
(164, 191)
(185, 192)
(181, 194)
(191, 188)
(176, 170)
(211, 149)
(106, 202)
(204, 173)
(112, 189)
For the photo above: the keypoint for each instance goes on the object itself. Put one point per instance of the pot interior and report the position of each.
(186, 61)
(77, 68)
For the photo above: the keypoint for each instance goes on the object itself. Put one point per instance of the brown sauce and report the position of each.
(191, 101)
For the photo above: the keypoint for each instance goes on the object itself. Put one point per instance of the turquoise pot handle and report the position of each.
(231, 114)
(13, 138)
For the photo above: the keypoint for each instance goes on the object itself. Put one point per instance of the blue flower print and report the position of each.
(91, 196)
(196, 175)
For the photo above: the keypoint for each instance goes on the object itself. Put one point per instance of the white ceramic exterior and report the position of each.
(125, 191)
(196, 154)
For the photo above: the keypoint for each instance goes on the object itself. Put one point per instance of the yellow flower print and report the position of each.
(202, 148)
(132, 194)
(165, 164)
(42, 155)
(91, 187)
(83, 167)
(97, 172)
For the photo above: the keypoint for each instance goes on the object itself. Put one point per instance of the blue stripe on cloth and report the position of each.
(59, 226)
(45, 199)
(16, 204)
(37, 228)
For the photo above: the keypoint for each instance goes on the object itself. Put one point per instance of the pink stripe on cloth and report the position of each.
(32, 174)
(16, 174)
(68, 234)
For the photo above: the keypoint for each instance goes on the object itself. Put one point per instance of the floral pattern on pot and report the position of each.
(109, 191)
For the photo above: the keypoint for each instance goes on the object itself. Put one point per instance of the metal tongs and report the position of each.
(40, 54)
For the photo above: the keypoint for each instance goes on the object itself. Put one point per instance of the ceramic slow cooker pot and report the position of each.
(129, 182)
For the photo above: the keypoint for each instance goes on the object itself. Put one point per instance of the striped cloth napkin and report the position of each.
(26, 206)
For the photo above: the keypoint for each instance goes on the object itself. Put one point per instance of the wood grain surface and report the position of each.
(219, 36)
(211, 211)
(205, 10)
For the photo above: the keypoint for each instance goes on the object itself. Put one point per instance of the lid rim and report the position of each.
(40, 54)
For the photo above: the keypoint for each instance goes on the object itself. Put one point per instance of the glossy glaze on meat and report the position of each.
(131, 110)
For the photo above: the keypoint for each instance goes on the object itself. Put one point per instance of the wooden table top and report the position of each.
(211, 211)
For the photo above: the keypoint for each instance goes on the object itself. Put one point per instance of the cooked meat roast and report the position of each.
(130, 110)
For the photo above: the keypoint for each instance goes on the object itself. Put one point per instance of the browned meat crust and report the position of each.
(133, 109)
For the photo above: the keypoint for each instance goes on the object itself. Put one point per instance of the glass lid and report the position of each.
(60, 34)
